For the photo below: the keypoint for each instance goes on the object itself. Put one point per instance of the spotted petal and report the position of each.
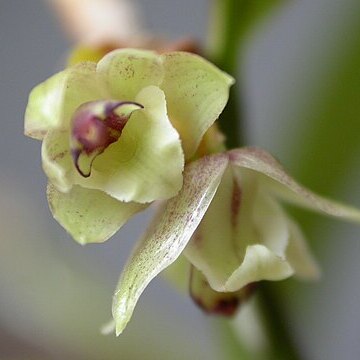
(236, 226)
(127, 71)
(89, 215)
(285, 187)
(56, 159)
(196, 93)
(52, 103)
(164, 243)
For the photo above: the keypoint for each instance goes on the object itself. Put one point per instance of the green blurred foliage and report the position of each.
(231, 23)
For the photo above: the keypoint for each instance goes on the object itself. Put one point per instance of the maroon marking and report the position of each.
(75, 155)
(85, 125)
(223, 307)
(59, 156)
(93, 134)
(226, 304)
(115, 121)
(226, 307)
(235, 202)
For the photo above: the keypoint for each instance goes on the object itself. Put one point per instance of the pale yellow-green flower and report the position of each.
(120, 134)
(229, 223)
(116, 134)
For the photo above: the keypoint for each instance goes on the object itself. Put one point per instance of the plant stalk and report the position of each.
(231, 18)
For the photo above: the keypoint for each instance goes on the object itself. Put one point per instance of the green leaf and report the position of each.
(89, 216)
(233, 21)
(165, 241)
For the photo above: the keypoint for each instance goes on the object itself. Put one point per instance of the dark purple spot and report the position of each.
(96, 125)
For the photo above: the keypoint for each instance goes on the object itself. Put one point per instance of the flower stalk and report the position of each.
(282, 346)
(226, 52)
(224, 49)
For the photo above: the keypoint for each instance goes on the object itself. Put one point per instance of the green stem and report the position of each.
(231, 121)
(232, 348)
(230, 22)
(282, 346)
(232, 18)
(229, 27)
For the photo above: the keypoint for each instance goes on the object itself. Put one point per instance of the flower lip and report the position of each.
(96, 125)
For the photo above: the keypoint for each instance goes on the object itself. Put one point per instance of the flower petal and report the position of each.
(52, 103)
(56, 159)
(285, 187)
(259, 264)
(163, 244)
(196, 93)
(89, 215)
(265, 259)
(42, 111)
(271, 223)
(236, 227)
(147, 161)
(214, 302)
(299, 255)
(213, 247)
(127, 71)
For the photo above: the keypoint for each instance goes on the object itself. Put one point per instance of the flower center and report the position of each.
(96, 125)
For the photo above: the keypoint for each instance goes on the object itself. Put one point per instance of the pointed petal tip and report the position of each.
(166, 239)
(120, 327)
(121, 309)
(230, 80)
(81, 241)
(287, 188)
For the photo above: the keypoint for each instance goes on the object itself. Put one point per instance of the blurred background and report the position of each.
(301, 85)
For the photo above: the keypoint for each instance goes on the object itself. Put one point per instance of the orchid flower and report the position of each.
(115, 134)
(229, 223)
(123, 133)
